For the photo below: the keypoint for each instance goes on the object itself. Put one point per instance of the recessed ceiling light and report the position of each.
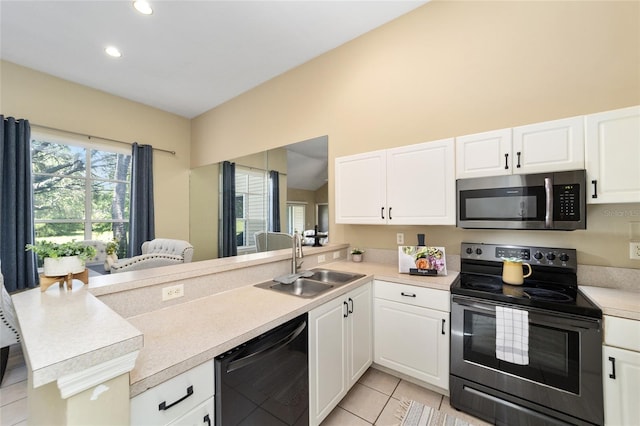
(113, 51)
(143, 7)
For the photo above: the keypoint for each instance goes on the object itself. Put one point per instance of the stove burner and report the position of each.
(542, 294)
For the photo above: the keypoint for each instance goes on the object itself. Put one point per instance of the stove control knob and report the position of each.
(538, 255)
(469, 250)
(551, 256)
(478, 251)
(564, 257)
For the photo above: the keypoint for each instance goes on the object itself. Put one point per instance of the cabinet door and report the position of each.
(549, 146)
(327, 365)
(412, 340)
(421, 185)
(613, 156)
(483, 154)
(621, 405)
(360, 332)
(361, 188)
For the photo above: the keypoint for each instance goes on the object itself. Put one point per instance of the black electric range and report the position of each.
(552, 285)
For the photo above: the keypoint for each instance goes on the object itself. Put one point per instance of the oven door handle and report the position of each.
(540, 318)
(486, 308)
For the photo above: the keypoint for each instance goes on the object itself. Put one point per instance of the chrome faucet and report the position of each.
(296, 252)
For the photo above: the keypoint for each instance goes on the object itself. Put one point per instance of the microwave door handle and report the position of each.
(548, 209)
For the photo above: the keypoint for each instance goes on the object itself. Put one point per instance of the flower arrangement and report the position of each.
(46, 249)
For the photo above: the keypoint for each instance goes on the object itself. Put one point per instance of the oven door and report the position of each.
(564, 369)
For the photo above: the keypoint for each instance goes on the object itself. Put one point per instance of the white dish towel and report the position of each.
(512, 335)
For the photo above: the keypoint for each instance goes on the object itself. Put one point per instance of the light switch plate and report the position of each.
(634, 250)
(400, 238)
(321, 258)
(336, 254)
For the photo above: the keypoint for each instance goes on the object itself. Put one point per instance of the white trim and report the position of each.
(75, 383)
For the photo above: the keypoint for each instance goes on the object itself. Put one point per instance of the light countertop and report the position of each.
(183, 336)
(66, 332)
(615, 302)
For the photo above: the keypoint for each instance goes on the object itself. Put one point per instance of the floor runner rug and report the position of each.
(413, 413)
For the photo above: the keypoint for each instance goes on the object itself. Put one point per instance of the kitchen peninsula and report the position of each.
(93, 348)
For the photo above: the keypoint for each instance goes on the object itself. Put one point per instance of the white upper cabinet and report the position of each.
(411, 185)
(421, 185)
(613, 156)
(551, 146)
(536, 148)
(361, 192)
(484, 154)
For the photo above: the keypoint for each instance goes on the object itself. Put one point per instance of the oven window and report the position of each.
(554, 358)
(515, 204)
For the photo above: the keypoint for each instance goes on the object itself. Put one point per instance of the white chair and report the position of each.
(267, 241)
(9, 333)
(155, 253)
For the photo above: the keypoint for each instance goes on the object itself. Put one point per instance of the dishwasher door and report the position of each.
(266, 380)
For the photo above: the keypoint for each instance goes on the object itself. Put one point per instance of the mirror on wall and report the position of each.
(303, 197)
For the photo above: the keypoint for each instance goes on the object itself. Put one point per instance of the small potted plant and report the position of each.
(356, 254)
(62, 258)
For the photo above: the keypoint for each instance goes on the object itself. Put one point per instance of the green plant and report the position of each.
(112, 246)
(72, 248)
(356, 250)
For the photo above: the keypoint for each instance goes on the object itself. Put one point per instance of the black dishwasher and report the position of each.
(265, 381)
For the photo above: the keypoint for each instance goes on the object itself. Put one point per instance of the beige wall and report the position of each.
(449, 69)
(49, 101)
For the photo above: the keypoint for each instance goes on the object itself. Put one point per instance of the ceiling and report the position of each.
(188, 56)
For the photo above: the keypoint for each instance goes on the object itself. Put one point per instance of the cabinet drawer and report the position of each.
(202, 415)
(179, 395)
(622, 333)
(413, 295)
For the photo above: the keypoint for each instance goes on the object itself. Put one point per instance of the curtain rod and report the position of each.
(98, 137)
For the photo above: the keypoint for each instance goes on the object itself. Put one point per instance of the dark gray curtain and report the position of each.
(141, 215)
(16, 205)
(274, 201)
(228, 244)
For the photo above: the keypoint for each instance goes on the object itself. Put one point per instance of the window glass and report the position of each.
(80, 192)
(251, 205)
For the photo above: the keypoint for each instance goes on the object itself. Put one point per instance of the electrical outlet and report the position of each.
(172, 292)
(321, 258)
(634, 250)
(400, 238)
(336, 254)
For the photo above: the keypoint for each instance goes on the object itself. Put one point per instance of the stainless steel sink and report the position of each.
(311, 285)
(334, 277)
(302, 287)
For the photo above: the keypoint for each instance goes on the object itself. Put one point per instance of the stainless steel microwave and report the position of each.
(537, 201)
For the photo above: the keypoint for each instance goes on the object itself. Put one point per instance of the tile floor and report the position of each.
(374, 400)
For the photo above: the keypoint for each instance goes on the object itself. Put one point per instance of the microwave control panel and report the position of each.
(566, 202)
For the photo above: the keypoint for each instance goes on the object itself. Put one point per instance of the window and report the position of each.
(80, 191)
(295, 218)
(251, 205)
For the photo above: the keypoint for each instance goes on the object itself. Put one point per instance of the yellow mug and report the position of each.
(512, 272)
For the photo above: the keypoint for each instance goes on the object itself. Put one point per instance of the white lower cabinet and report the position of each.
(621, 371)
(340, 349)
(412, 331)
(186, 399)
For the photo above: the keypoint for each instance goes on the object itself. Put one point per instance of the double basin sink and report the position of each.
(310, 283)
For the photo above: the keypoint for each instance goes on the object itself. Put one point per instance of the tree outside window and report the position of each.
(80, 192)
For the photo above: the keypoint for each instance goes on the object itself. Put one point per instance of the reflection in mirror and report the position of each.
(301, 206)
